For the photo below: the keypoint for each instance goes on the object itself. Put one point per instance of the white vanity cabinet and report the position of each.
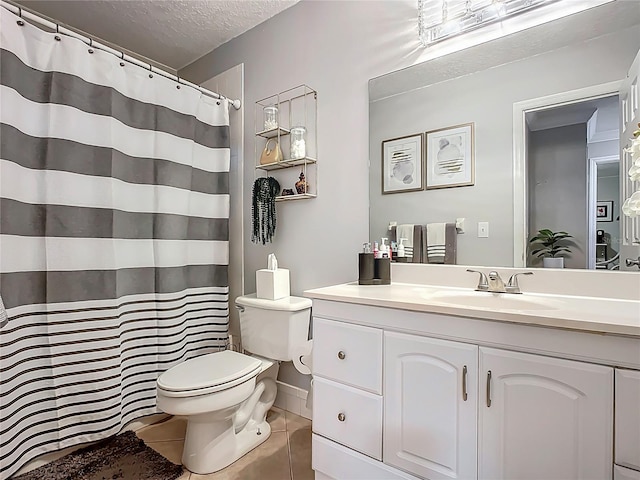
(431, 406)
(433, 396)
(544, 418)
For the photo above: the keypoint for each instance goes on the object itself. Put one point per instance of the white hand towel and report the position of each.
(406, 231)
(436, 242)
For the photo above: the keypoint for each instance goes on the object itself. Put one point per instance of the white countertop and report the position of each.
(590, 314)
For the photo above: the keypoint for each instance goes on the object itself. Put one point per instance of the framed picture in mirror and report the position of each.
(450, 157)
(402, 164)
(604, 211)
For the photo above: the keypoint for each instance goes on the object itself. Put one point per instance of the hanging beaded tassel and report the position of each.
(263, 209)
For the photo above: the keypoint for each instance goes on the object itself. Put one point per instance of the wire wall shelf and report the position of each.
(289, 117)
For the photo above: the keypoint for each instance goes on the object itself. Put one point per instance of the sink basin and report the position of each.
(497, 301)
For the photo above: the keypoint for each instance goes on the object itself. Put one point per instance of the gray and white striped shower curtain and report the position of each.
(114, 206)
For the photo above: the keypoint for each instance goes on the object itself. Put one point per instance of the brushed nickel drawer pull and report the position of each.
(341, 355)
(489, 388)
(464, 383)
(341, 417)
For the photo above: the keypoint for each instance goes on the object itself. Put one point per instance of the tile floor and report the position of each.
(286, 455)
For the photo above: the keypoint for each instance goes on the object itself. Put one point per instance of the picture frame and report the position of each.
(450, 157)
(604, 211)
(403, 164)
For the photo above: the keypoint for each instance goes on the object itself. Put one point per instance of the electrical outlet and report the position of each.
(483, 229)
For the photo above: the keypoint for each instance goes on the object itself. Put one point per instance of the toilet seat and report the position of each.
(208, 374)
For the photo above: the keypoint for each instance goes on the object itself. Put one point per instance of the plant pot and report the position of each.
(553, 262)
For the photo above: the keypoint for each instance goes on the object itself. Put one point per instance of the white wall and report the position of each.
(230, 84)
(334, 47)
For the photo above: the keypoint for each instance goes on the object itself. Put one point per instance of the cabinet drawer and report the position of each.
(335, 461)
(621, 473)
(348, 353)
(627, 418)
(348, 416)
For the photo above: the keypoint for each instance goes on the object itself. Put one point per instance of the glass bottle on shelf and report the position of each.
(270, 117)
(302, 186)
(298, 142)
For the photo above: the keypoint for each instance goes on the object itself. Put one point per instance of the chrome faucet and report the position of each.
(493, 282)
(496, 285)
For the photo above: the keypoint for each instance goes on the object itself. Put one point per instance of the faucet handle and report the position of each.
(512, 284)
(483, 283)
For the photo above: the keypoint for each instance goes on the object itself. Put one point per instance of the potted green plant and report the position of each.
(549, 245)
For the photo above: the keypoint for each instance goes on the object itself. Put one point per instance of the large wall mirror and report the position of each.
(540, 111)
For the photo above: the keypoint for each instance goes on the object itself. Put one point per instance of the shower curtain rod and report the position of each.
(54, 26)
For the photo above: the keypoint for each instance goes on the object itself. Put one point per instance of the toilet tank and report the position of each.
(273, 328)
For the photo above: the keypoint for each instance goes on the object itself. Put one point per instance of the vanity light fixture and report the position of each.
(442, 19)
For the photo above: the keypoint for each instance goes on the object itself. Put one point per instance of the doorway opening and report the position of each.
(572, 178)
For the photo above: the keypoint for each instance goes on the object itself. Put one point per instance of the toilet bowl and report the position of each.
(226, 395)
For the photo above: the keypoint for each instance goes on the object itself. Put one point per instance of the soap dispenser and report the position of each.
(401, 248)
(384, 248)
(400, 257)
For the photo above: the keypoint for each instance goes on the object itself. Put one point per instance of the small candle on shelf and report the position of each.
(298, 143)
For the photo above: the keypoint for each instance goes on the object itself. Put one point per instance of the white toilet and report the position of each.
(226, 395)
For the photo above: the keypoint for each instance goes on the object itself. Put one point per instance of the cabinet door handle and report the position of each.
(489, 388)
(341, 417)
(341, 355)
(464, 383)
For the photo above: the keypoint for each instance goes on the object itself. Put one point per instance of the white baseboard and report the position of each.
(292, 399)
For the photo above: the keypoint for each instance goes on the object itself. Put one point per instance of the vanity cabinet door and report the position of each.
(544, 418)
(628, 418)
(430, 401)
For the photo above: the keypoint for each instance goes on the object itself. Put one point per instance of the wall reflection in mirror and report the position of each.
(545, 152)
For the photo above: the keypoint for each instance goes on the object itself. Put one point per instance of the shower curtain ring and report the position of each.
(20, 22)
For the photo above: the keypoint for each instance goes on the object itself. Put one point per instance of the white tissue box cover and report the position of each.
(272, 284)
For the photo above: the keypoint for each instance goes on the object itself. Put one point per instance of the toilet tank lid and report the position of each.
(287, 304)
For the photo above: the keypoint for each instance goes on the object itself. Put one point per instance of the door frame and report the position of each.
(520, 189)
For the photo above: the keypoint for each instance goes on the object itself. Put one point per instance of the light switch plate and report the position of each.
(483, 229)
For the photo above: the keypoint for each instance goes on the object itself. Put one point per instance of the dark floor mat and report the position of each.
(123, 457)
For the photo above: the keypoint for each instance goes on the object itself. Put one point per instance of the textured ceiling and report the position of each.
(171, 32)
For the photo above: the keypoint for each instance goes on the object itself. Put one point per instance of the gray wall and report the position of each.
(485, 98)
(334, 47)
(557, 176)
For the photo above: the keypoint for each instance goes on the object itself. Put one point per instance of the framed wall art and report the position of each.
(402, 164)
(450, 157)
(604, 211)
